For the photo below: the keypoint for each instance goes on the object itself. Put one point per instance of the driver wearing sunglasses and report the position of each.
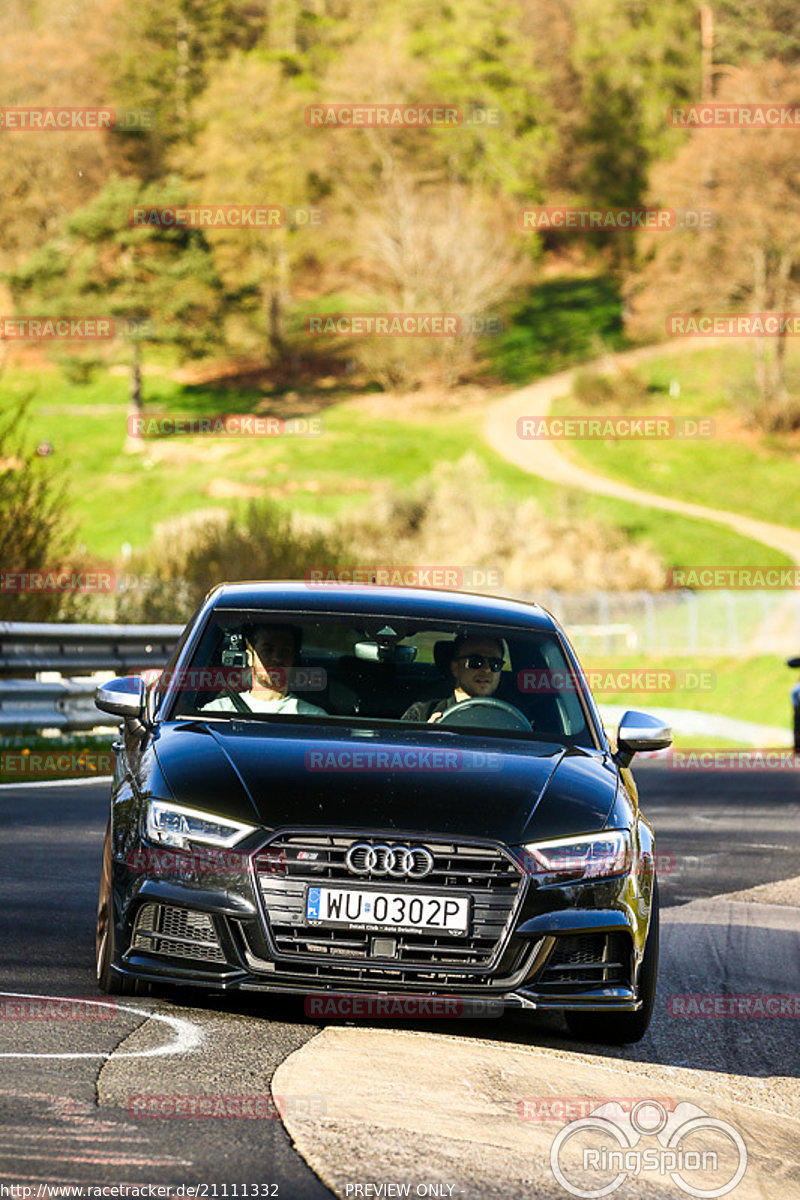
(476, 665)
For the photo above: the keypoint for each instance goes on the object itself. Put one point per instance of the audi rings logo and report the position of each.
(411, 862)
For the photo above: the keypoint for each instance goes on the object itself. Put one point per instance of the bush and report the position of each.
(457, 517)
(621, 392)
(190, 555)
(33, 529)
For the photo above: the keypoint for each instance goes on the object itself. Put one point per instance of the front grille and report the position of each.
(484, 873)
(585, 961)
(177, 932)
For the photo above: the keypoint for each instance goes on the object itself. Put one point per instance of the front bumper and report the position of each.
(576, 947)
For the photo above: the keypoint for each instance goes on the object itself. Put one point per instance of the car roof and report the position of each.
(373, 599)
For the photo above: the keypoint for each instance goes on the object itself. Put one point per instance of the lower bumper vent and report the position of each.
(178, 932)
(586, 961)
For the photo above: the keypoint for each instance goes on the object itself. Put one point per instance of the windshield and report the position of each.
(356, 670)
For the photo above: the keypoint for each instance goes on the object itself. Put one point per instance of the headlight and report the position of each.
(575, 859)
(174, 825)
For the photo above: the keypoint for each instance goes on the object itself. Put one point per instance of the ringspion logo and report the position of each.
(595, 1155)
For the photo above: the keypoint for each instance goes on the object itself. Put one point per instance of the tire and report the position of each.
(108, 980)
(616, 1029)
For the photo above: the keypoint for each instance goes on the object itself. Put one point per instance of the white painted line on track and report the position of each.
(189, 1036)
(43, 783)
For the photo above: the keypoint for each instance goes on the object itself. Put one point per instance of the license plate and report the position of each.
(386, 910)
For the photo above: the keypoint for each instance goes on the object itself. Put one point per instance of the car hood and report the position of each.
(282, 776)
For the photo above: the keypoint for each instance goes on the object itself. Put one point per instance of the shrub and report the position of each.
(34, 532)
(189, 555)
(457, 517)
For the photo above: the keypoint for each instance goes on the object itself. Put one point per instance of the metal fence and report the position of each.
(689, 624)
(38, 655)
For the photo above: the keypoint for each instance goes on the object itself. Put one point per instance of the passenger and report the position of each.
(476, 664)
(273, 652)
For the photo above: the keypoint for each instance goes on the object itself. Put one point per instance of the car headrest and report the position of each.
(443, 655)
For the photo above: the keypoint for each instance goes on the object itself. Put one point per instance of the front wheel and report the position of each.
(615, 1029)
(108, 980)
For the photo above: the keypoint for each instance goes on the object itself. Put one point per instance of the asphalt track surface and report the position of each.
(431, 1105)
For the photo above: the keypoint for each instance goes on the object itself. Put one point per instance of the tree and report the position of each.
(436, 249)
(634, 58)
(47, 173)
(251, 150)
(159, 283)
(750, 177)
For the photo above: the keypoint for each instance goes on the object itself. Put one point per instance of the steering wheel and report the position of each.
(497, 714)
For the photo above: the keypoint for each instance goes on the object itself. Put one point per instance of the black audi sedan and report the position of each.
(345, 790)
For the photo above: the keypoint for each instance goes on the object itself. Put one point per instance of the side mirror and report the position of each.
(123, 698)
(639, 731)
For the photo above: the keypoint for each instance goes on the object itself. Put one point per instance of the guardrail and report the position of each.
(28, 649)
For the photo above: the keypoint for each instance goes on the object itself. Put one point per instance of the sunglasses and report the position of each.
(476, 661)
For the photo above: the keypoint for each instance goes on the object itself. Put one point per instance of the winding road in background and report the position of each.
(543, 458)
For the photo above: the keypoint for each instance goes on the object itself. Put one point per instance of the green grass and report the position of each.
(560, 323)
(749, 689)
(117, 497)
(756, 476)
(32, 758)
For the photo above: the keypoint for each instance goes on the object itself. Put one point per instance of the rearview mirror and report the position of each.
(639, 731)
(385, 652)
